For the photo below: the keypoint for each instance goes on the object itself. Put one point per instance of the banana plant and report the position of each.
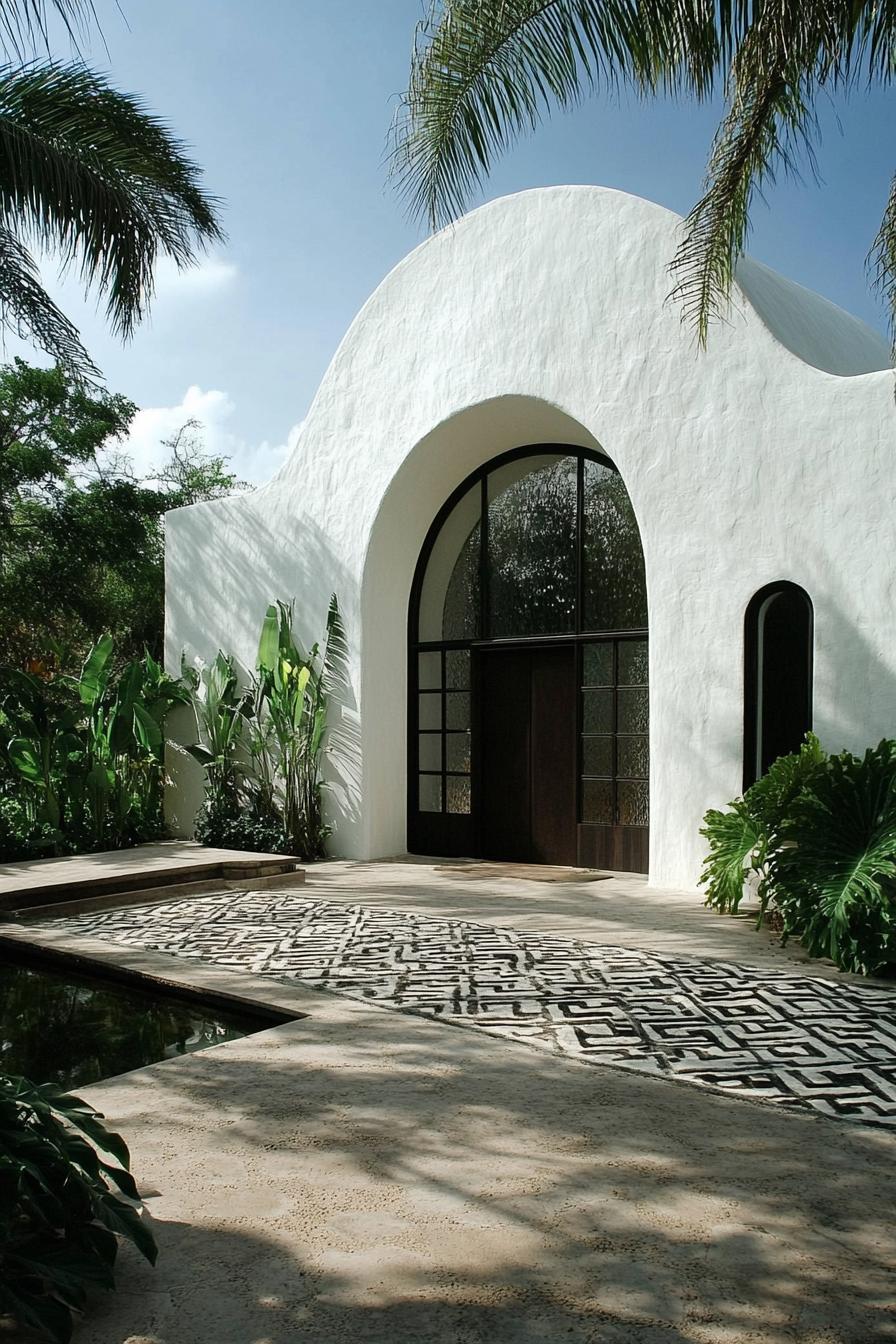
(86, 752)
(38, 744)
(221, 710)
(294, 692)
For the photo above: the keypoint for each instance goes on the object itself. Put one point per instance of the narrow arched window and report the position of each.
(777, 675)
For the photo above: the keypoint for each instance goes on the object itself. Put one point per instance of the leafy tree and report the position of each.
(191, 475)
(484, 71)
(81, 537)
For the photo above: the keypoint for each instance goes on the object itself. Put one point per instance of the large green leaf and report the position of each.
(736, 841)
(836, 874)
(24, 756)
(269, 641)
(201, 753)
(95, 672)
(149, 734)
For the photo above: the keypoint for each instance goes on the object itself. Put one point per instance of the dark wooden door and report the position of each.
(526, 754)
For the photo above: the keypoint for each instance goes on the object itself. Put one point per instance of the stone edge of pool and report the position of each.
(213, 985)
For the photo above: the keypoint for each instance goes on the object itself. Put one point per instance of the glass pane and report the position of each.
(430, 755)
(597, 712)
(633, 756)
(632, 709)
(597, 801)
(633, 803)
(457, 751)
(457, 709)
(430, 709)
(597, 755)
(430, 791)
(633, 662)
(457, 665)
(597, 665)
(430, 671)
(615, 588)
(449, 598)
(532, 546)
(458, 795)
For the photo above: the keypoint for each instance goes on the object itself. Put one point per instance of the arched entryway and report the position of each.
(528, 708)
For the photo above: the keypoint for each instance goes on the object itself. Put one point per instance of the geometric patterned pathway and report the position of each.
(775, 1036)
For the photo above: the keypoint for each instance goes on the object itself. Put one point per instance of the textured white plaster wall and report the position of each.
(544, 316)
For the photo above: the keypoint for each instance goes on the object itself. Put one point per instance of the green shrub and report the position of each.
(818, 835)
(81, 758)
(261, 746)
(61, 1211)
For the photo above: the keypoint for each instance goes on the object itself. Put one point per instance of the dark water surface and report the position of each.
(59, 1026)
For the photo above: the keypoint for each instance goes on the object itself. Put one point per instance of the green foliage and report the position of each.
(91, 176)
(63, 1206)
(818, 835)
(81, 758)
(261, 747)
(742, 838)
(835, 880)
(483, 74)
(81, 540)
(221, 710)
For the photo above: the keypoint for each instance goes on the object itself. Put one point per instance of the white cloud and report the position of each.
(209, 276)
(213, 409)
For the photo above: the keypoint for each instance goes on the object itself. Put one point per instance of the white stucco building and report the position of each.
(519, 475)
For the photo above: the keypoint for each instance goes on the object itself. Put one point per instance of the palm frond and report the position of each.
(769, 126)
(882, 260)
(88, 172)
(25, 24)
(484, 72)
(27, 309)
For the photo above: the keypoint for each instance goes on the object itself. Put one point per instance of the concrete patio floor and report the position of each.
(367, 1175)
(621, 909)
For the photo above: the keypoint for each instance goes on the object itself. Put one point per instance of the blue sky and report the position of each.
(287, 104)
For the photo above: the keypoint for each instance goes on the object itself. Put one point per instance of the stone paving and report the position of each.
(788, 1038)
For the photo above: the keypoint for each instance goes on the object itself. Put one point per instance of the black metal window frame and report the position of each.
(579, 636)
(753, 726)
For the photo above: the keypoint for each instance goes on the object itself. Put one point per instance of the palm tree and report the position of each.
(484, 71)
(88, 174)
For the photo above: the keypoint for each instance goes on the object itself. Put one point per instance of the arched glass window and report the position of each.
(538, 547)
(778, 630)
(537, 543)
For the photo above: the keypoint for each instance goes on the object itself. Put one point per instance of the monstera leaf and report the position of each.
(835, 879)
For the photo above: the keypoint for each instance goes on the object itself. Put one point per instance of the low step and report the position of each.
(39, 883)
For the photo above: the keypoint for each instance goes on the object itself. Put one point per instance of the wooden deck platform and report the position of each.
(39, 883)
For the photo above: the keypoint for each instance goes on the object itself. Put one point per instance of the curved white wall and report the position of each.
(540, 317)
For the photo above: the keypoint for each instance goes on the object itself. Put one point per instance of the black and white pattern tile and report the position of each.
(775, 1036)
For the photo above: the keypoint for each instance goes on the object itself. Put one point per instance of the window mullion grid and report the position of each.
(615, 748)
(580, 545)
(444, 720)
(483, 559)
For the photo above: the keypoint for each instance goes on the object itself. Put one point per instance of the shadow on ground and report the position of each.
(359, 1177)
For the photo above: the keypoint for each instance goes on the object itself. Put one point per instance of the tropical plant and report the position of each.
(835, 878)
(295, 689)
(261, 746)
(817, 836)
(82, 756)
(485, 71)
(221, 709)
(63, 1206)
(744, 837)
(88, 174)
